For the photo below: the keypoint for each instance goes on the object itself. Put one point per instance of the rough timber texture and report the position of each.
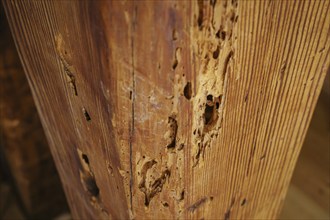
(174, 109)
(23, 144)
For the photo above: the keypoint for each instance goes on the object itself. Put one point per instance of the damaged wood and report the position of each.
(185, 99)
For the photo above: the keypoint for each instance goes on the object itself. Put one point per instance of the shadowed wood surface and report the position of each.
(23, 145)
(165, 109)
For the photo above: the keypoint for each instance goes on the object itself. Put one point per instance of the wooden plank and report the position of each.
(183, 109)
(23, 145)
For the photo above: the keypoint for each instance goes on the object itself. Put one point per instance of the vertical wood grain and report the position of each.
(23, 145)
(185, 109)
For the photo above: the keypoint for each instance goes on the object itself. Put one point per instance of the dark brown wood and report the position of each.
(23, 143)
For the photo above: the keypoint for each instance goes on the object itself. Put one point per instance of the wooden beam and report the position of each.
(174, 109)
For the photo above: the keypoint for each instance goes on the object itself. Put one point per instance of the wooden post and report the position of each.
(23, 145)
(174, 109)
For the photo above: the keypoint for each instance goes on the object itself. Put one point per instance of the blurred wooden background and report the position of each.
(308, 196)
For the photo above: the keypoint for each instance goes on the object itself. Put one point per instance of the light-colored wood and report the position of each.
(174, 109)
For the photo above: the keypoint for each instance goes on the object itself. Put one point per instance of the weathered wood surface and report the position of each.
(174, 109)
(23, 144)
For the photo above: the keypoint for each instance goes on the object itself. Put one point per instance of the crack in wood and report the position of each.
(132, 98)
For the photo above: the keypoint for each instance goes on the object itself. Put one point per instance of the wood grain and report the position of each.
(23, 145)
(174, 109)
